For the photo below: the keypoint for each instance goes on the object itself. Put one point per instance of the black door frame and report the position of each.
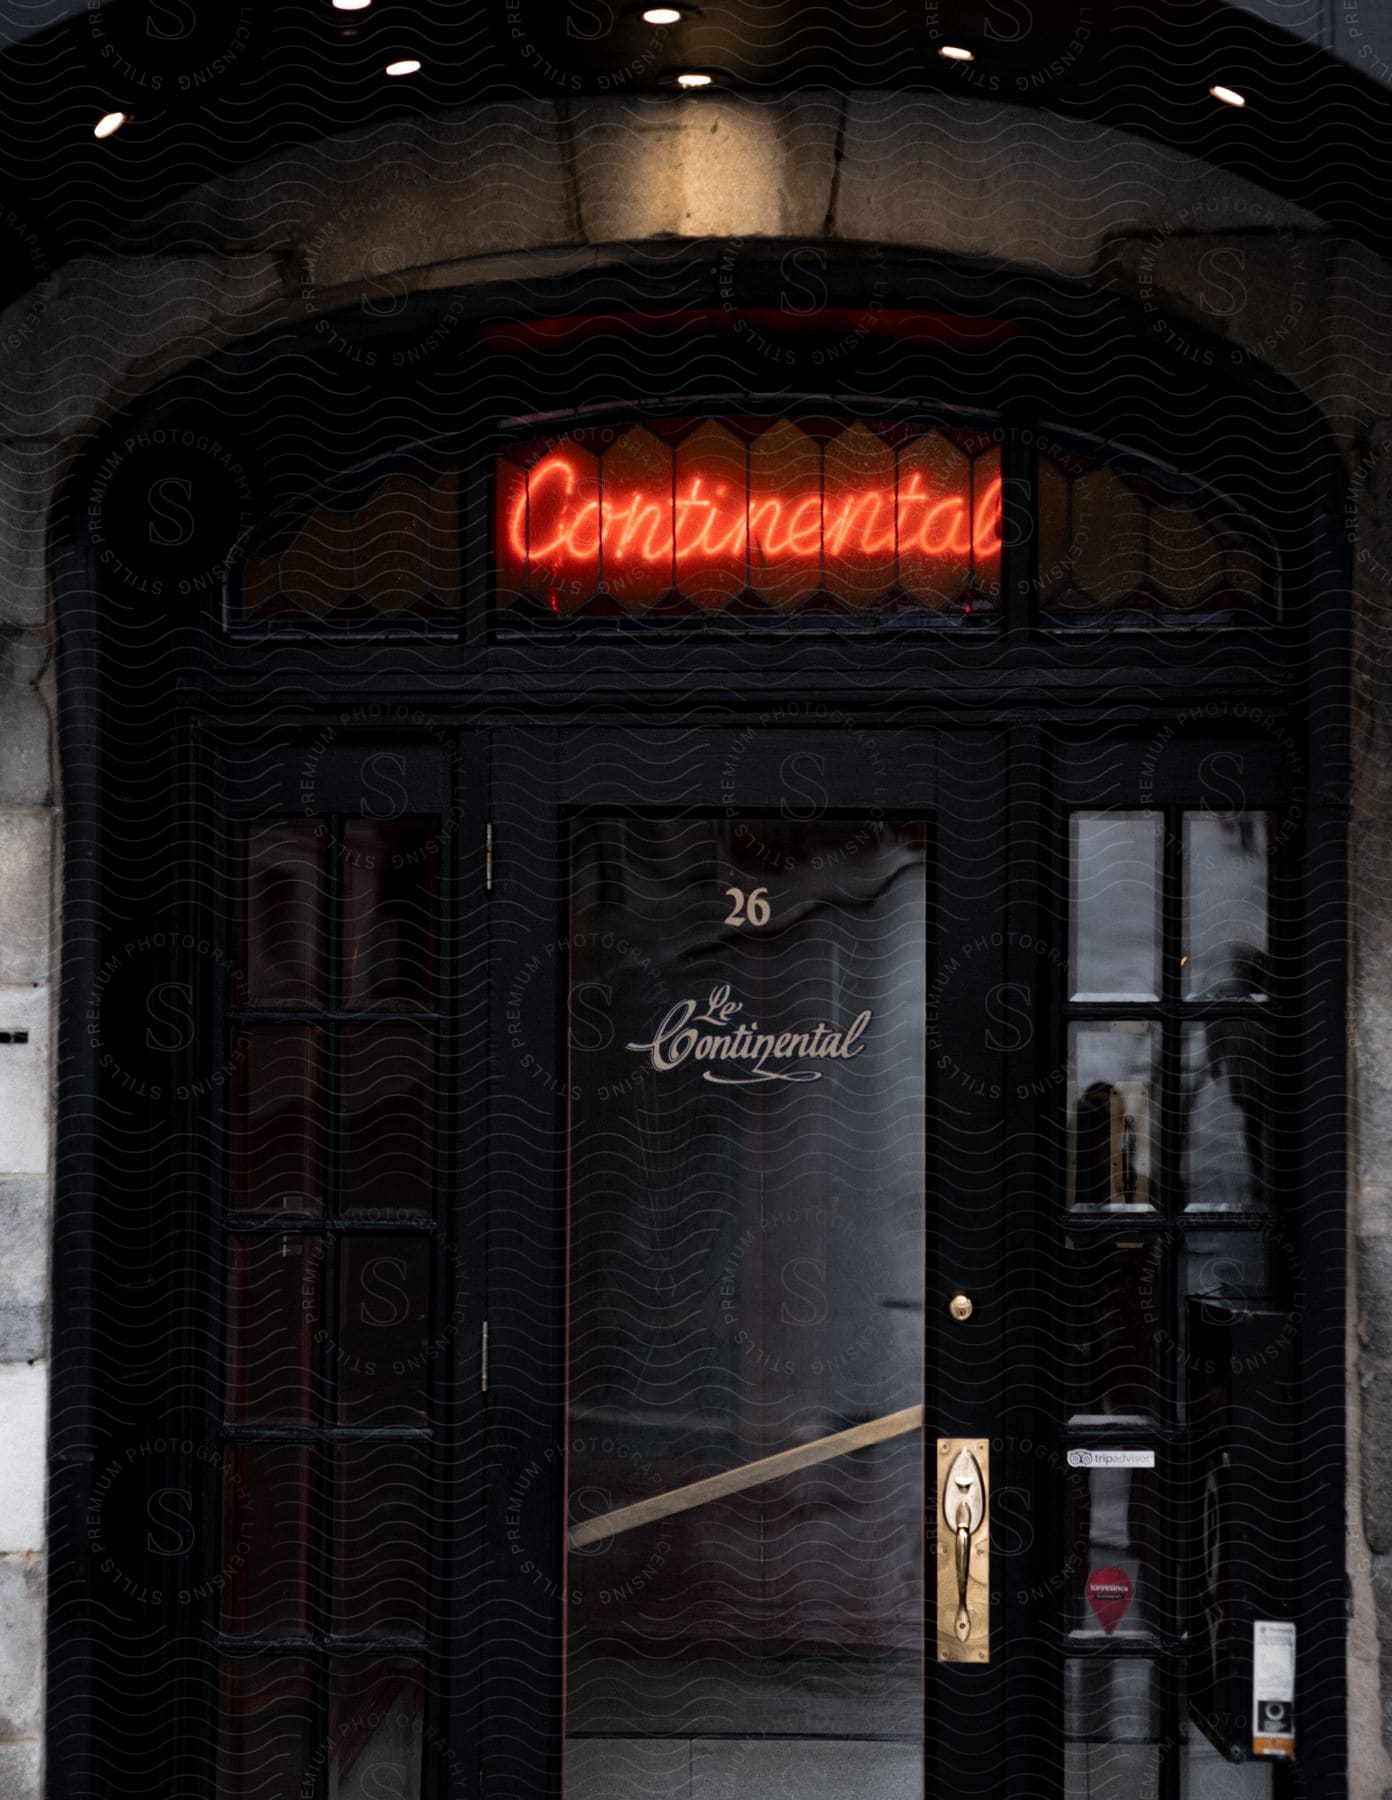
(543, 776)
(134, 687)
(552, 756)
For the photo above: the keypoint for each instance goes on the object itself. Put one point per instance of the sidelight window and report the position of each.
(327, 1450)
(1171, 1011)
(1174, 1100)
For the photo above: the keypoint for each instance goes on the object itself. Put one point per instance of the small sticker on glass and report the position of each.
(1273, 1688)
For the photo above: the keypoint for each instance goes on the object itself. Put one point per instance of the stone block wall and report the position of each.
(537, 188)
(27, 960)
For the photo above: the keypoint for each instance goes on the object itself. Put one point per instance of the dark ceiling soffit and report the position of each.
(255, 78)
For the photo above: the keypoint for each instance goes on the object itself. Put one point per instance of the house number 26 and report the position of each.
(749, 909)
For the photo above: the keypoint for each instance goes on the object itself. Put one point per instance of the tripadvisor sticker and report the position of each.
(1111, 1459)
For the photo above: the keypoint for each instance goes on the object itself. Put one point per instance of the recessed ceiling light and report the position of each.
(109, 124)
(408, 65)
(694, 78)
(351, 5)
(662, 15)
(1229, 96)
(956, 53)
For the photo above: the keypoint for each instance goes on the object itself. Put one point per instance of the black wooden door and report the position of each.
(753, 1058)
(677, 1178)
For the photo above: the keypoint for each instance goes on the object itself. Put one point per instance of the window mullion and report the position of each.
(1019, 534)
(323, 1523)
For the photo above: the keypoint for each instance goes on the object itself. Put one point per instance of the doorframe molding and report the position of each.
(100, 678)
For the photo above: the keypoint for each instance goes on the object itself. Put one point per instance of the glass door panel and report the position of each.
(745, 1495)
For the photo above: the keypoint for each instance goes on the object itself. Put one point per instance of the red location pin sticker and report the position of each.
(1109, 1594)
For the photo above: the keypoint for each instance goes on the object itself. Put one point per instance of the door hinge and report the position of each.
(483, 1358)
(488, 858)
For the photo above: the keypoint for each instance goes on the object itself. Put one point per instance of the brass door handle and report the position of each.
(963, 1572)
(963, 1511)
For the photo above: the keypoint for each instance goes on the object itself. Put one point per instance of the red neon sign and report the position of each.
(778, 514)
(553, 521)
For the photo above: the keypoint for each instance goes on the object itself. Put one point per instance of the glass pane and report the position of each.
(272, 1331)
(1206, 1774)
(265, 1533)
(277, 1119)
(1125, 544)
(1114, 920)
(392, 558)
(1112, 1700)
(280, 913)
(1112, 1530)
(746, 1223)
(384, 1324)
(1227, 873)
(1112, 1357)
(389, 882)
(1111, 1771)
(1108, 541)
(376, 1729)
(388, 1122)
(265, 1727)
(383, 1575)
(1234, 1264)
(1228, 1105)
(1111, 1127)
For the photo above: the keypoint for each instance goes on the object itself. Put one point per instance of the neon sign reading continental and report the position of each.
(779, 512)
(554, 519)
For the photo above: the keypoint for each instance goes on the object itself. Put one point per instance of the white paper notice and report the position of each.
(1273, 1688)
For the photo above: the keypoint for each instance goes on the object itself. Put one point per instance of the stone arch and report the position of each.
(602, 184)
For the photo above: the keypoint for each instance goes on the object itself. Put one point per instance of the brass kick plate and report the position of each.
(962, 1504)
